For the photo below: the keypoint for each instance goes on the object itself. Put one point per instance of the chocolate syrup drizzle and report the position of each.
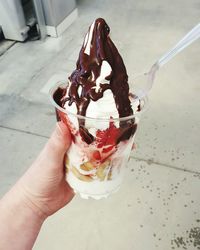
(88, 68)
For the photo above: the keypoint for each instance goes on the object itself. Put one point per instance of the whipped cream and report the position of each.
(103, 108)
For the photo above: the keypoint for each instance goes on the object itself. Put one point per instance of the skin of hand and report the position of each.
(40, 192)
(44, 186)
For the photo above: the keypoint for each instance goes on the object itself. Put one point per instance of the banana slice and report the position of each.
(87, 166)
(80, 176)
(101, 173)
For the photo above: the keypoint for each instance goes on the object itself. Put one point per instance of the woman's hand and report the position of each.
(43, 185)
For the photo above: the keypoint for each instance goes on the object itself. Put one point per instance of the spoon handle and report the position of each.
(189, 38)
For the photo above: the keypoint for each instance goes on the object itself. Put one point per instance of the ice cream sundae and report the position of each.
(97, 105)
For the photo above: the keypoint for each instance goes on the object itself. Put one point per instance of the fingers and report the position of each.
(69, 193)
(59, 142)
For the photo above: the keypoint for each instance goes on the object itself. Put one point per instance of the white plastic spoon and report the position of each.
(143, 83)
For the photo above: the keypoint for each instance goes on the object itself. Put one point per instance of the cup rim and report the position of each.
(52, 90)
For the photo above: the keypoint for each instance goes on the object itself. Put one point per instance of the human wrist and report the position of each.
(29, 202)
(17, 215)
(17, 201)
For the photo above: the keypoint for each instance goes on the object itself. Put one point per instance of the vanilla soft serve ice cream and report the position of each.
(97, 106)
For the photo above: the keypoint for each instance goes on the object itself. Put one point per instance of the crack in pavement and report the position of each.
(24, 131)
(150, 161)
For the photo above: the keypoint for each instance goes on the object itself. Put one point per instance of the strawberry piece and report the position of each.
(107, 149)
(96, 155)
(107, 137)
(101, 137)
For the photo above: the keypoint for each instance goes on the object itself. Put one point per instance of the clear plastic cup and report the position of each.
(95, 166)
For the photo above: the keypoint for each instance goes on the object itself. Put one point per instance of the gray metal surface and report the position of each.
(56, 11)
(40, 18)
(12, 20)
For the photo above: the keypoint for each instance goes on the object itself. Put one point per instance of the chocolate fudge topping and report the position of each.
(88, 69)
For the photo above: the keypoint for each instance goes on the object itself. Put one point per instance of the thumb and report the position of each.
(59, 142)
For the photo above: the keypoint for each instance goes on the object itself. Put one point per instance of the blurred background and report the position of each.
(158, 206)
